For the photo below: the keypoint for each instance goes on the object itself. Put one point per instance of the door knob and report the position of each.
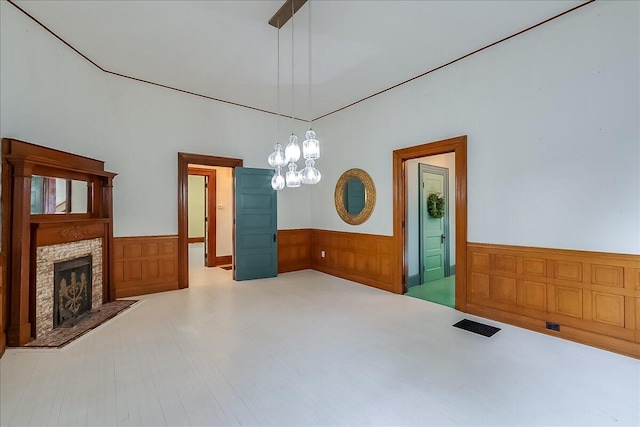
(442, 238)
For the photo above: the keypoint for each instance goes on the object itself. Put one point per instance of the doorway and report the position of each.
(202, 218)
(458, 146)
(430, 243)
(184, 160)
(210, 216)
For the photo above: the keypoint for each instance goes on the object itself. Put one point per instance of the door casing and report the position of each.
(457, 145)
(184, 159)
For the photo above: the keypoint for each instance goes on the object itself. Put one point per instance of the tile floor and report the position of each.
(310, 349)
(441, 291)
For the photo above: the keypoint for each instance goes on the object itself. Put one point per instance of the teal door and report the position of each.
(433, 231)
(256, 248)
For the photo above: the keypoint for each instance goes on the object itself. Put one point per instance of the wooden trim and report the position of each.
(286, 11)
(11, 2)
(294, 250)
(362, 258)
(196, 239)
(458, 146)
(20, 160)
(184, 160)
(3, 306)
(593, 296)
(457, 59)
(145, 264)
(223, 260)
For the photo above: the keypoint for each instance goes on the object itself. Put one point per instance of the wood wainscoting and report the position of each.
(593, 297)
(145, 265)
(294, 250)
(3, 305)
(362, 258)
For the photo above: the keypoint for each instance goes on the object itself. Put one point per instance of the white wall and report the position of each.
(52, 97)
(195, 184)
(552, 120)
(224, 211)
(413, 218)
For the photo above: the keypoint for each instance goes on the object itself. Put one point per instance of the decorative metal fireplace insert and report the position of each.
(72, 291)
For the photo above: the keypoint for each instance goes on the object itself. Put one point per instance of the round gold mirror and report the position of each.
(355, 196)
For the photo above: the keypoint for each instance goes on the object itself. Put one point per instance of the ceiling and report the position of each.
(227, 50)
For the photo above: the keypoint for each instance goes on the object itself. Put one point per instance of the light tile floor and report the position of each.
(441, 291)
(311, 349)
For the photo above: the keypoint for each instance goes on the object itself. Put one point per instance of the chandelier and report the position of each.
(289, 157)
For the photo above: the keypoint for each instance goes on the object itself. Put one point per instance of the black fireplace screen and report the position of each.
(72, 290)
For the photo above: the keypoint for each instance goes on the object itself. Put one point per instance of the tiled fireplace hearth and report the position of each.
(47, 258)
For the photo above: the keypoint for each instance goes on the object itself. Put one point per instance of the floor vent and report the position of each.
(477, 328)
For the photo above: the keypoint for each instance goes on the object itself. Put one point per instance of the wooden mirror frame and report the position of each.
(369, 196)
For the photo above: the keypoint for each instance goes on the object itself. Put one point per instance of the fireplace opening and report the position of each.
(72, 291)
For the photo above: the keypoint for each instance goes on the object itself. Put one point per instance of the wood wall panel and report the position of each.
(608, 308)
(503, 289)
(568, 301)
(3, 307)
(362, 258)
(144, 265)
(534, 267)
(506, 263)
(535, 295)
(607, 275)
(594, 297)
(294, 250)
(568, 270)
(479, 284)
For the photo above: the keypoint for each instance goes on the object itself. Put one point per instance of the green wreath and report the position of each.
(435, 205)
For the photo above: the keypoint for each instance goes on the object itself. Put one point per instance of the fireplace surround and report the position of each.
(48, 258)
(35, 240)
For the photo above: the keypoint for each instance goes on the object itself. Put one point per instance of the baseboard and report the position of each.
(3, 343)
(146, 289)
(223, 260)
(452, 270)
(413, 281)
(581, 336)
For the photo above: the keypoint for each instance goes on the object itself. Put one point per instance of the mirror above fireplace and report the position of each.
(51, 195)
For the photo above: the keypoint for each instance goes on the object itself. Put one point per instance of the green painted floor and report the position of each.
(441, 291)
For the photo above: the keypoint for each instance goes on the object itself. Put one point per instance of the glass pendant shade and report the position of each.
(292, 152)
(310, 175)
(293, 176)
(277, 158)
(277, 182)
(311, 146)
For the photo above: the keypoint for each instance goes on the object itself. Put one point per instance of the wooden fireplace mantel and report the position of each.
(24, 232)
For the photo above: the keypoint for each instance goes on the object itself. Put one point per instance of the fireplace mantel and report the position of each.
(25, 232)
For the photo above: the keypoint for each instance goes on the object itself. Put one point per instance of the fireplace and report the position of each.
(57, 262)
(71, 291)
(36, 239)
